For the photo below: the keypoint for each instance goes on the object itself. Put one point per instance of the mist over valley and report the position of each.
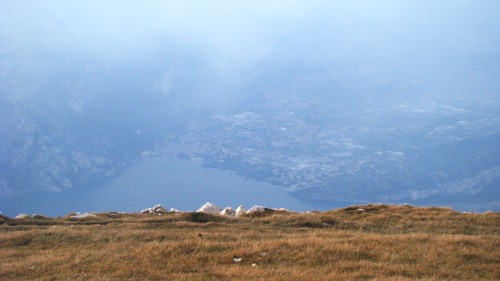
(318, 101)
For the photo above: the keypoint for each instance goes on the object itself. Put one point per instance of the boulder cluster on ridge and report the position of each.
(212, 209)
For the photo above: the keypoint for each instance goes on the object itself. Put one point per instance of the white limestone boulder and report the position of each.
(240, 211)
(22, 216)
(82, 216)
(256, 208)
(209, 208)
(147, 211)
(159, 209)
(228, 211)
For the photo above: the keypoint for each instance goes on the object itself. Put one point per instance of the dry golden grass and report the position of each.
(381, 243)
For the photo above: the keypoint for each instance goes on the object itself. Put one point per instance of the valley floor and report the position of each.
(372, 242)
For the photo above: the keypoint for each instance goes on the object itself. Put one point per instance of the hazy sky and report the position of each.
(215, 43)
(228, 33)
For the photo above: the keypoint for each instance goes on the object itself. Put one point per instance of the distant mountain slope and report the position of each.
(327, 100)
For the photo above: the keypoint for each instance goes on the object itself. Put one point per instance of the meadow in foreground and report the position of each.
(372, 242)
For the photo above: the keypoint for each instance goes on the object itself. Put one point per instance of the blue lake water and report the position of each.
(166, 180)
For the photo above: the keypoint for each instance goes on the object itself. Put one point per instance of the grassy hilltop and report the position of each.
(373, 242)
